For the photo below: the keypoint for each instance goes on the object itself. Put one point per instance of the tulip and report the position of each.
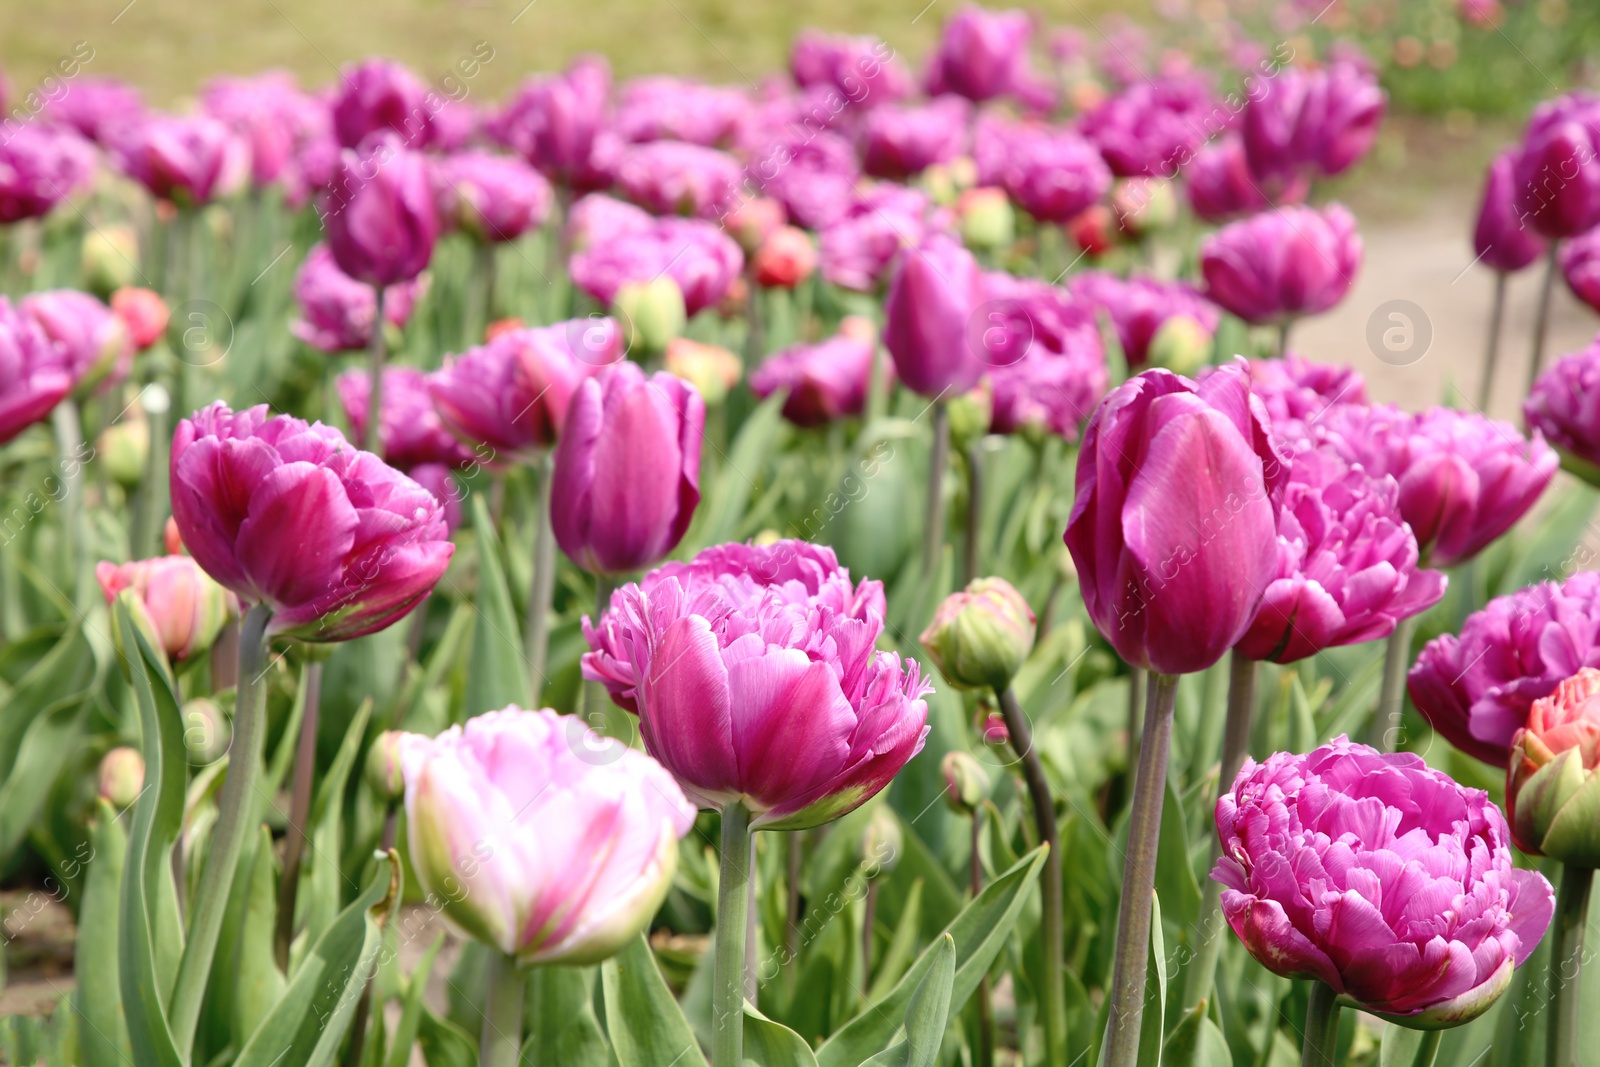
(40, 166)
(1140, 307)
(384, 770)
(110, 258)
(1379, 877)
(272, 116)
(1321, 120)
(508, 398)
(93, 341)
(1275, 267)
(752, 220)
(785, 259)
(966, 783)
(1046, 360)
(1055, 175)
(35, 374)
(1296, 390)
(1550, 802)
(1564, 408)
(554, 121)
(1580, 265)
(337, 312)
(652, 313)
(627, 470)
(713, 371)
(697, 255)
(99, 109)
(1221, 186)
(379, 214)
(826, 381)
(1477, 689)
(815, 176)
(1152, 127)
(931, 300)
(980, 636)
(1502, 238)
(1557, 173)
(900, 141)
(982, 54)
(987, 219)
(864, 70)
(662, 108)
(493, 198)
(287, 515)
(184, 608)
(598, 219)
(121, 776)
(674, 178)
(410, 431)
(143, 313)
(439, 480)
(858, 250)
(378, 96)
(190, 160)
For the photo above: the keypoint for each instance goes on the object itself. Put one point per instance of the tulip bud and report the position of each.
(1092, 228)
(143, 312)
(713, 371)
(966, 783)
(988, 221)
(971, 414)
(110, 255)
(786, 258)
(981, 635)
(383, 769)
(652, 313)
(1181, 345)
(124, 446)
(996, 734)
(180, 608)
(502, 326)
(751, 222)
(206, 730)
(1552, 790)
(881, 843)
(945, 182)
(121, 776)
(1144, 205)
(171, 539)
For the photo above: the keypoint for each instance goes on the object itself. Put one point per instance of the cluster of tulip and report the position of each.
(740, 301)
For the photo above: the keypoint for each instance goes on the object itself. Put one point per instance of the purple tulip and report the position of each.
(289, 515)
(555, 120)
(1476, 689)
(1294, 389)
(675, 178)
(1174, 545)
(863, 70)
(1564, 407)
(1465, 479)
(900, 141)
(1222, 188)
(1283, 264)
(337, 312)
(857, 250)
(188, 159)
(598, 219)
(1502, 239)
(494, 198)
(928, 317)
(827, 381)
(1054, 174)
(508, 398)
(541, 839)
(698, 256)
(982, 54)
(748, 690)
(95, 344)
(1057, 374)
(34, 374)
(271, 114)
(662, 108)
(439, 479)
(1321, 121)
(101, 109)
(1152, 128)
(410, 431)
(380, 96)
(40, 166)
(1139, 307)
(379, 214)
(1558, 167)
(627, 469)
(1347, 564)
(813, 174)
(1580, 265)
(1379, 876)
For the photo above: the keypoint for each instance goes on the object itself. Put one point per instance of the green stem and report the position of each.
(1053, 989)
(938, 460)
(295, 840)
(877, 386)
(727, 979)
(1491, 356)
(1566, 963)
(985, 1050)
(372, 439)
(1283, 337)
(1132, 957)
(500, 1043)
(1322, 1027)
(544, 584)
(228, 833)
(974, 509)
(1392, 697)
(1137, 686)
(68, 426)
(483, 310)
(1541, 322)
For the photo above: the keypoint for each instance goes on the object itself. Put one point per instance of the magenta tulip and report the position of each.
(40, 166)
(410, 431)
(1564, 407)
(272, 116)
(383, 97)
(190, 159)
(813, 174)
(675, 178)
(1139, 307)
(982, 54)
(627, 469)
(1558, 167)
(1580, 265)
(1058, 373)
(94, 342)
(827, 381)
(379, 214)
(858, 249)
(34, 373)
(863, 70)
(337, 312)
(289, 515)
(900, 141)
(100, 109)
(1381, 877)
(1277, 266)
(494, 198)
(1322, 121)
(1503, 239)
(1153, 127)
(1296, 390)
(1054, 175)
(555, 121)
(1221, 187)
(698, 256)
(928, 318)
(183, 607)
(1174, 529)
(662, 108)
(598, 219)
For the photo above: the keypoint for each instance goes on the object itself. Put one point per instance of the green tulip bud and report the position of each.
(980, 636)
(651, 312)
(970, 415)
(206, 730)
(966, 783)
(121, 776)
(1181, 345)
(1552, 788)
(110, 255)
(988, 221)
(881, 842)
(383, 767)
(124, 447)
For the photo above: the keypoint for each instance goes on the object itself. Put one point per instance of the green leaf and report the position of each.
(496, 673)
(562, 1028)
(323, 878)
(1175, 881)
(927, 1014)
(256, 981)
(646, 1026)
(43, 717)
(307, 1024)
(725, 504)
(770, 1044)
(102, 1034)
(901, 945)
(1197, 1042)
(444, 1043)
(411, 1007)
(1153, 1025)
(1405, 1047)
(147, 874)
(979, 932)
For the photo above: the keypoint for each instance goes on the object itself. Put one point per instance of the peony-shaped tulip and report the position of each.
(188, 159)
(599, 219)
(762, 696)
(900, 141)
(1283, 264)
(178, 602)
(1381, 877)
(1502, 238)
(1564, 406)
(927, 318)
(1347, 564)
(93, 340)
(379, 213)
(1047, 365)
(858, 250)
(1221, 187)
(554, 122)
(100, 109)
(698, 256)
(40, 166)
(982, 54)
(980, 635)
(493, 198)
(1140, 308)
(410, 431)
(289, 515)
(1174, 528)
(1477, 689)
(627, 469)
(1580, 265)
(1294, 389)
(1558, 166)
(675, 178)
(539, 837)
(1054, 175)
(1322, 121)
(272, 116)
(1152, 127)
(337, 312)
(863, 70)
(35, 374)
(663, 108)
(827, 381)
(383, 97)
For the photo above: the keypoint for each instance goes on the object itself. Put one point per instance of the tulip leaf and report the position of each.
(1574, 833)
(496, 672)
(1175, 879)
(562, 1028)
(646, 1024)
(324, 879)
(411, 1007)
(901, 944)
(445, 1043)
(1405, 1047)
(256, 981)
(307, 1024)
(43, 715)
(102, 1034)
(926, 1015)
(772, 1044)
(1197, 1042)
(1153, 1025)
(979, 932)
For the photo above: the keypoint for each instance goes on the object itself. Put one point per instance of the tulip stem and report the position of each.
(985, 1050)
(372, 439)
(938, 460)
(544, 583)
(294, 843)
(1283, 337)
(974, 509)
(500, 1043)
(1491, 356)
(727, 988)
(1136, 693)
(1132, 957)
(1207, 941)
(228, 833)
(1541, 322)
(1391, 698)
(153, 491)
(796, 859)
(877, 386)
(1566, 963)
(68, 425)
(1322, 1027)
(1052, 989)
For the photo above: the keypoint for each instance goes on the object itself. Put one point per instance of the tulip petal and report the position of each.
(300, 526)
